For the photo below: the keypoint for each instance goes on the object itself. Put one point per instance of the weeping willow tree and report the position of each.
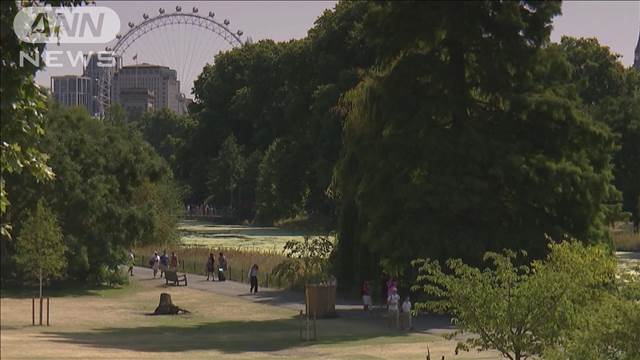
(464, 139)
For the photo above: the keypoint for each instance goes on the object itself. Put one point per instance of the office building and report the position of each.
(73, 90)
(160, 81)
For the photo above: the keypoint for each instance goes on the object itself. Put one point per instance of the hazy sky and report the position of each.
(615, 24)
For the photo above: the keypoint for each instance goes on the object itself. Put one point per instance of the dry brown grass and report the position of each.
(114, 325)
(624, 239)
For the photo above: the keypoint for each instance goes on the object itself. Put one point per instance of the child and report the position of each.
(366, 296)
(406, 313)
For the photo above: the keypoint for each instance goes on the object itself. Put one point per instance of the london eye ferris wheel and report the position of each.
(182, 40)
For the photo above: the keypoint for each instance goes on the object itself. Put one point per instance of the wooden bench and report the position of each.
(175, 278)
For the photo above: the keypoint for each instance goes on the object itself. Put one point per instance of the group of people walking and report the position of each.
(221, 269)
(163, 263)
(399, 315)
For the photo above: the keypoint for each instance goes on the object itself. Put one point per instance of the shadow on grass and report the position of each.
(226, 336)
(66, 288)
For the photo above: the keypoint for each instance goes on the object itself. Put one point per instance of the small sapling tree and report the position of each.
(39, 247)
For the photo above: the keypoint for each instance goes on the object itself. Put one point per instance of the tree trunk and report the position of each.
(166, 306)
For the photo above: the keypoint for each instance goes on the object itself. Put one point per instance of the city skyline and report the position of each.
(615, 24)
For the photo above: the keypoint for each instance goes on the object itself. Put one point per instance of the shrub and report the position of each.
(523, 311)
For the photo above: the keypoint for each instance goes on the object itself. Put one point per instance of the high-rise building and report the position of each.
(73, 90)
(636, 61)
(136, 101)
(161, 81)
(84, 90)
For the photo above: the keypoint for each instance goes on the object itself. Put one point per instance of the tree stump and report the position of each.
(166, 306)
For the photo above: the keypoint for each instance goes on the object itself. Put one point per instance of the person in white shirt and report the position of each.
(406, 313)
(393, 301)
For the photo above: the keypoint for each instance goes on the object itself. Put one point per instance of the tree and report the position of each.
(610, 93)
(40, 251)
(112, 192)
(521, 311)
(464, 134)
(307, 260)
(226, 171)
(22, 109)
(168, 133)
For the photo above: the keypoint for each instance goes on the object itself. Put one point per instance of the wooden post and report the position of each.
(41, 311)
(306, 305)
(299, 323)
(241, 274)
(47, 311)
(315, 332)
(33, 311)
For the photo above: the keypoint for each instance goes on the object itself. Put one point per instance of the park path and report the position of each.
(431, 324)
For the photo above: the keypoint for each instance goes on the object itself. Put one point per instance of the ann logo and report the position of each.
(41, 25)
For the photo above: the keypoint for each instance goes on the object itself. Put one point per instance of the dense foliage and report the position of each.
(571, 305)
(22, 108)
(278, 100)
(467, 137)
(111, 191)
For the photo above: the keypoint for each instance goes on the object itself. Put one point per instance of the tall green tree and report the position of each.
(464, 135)
(611, 95)
(226, 171)
(112, 192)
(40, 251)
(168, 133)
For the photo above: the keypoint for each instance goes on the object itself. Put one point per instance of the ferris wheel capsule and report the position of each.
(145, 16)
(178, 8)
(131, 24)
(161, 11)
(211, 14)
(107, 49)
(118, 36)
(227, 22)
(239, 32)
(195, 9)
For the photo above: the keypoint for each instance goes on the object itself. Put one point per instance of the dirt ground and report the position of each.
(115, 324)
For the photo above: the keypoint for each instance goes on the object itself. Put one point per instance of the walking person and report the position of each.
(366, 296)
(253, 278)
(173, 262)
(392, 303)
(155, 263)
(131, 259)
(210, 267)
(164, 263)
(406, 314)
(222, 267)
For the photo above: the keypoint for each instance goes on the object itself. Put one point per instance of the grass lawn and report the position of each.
(114, 324)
